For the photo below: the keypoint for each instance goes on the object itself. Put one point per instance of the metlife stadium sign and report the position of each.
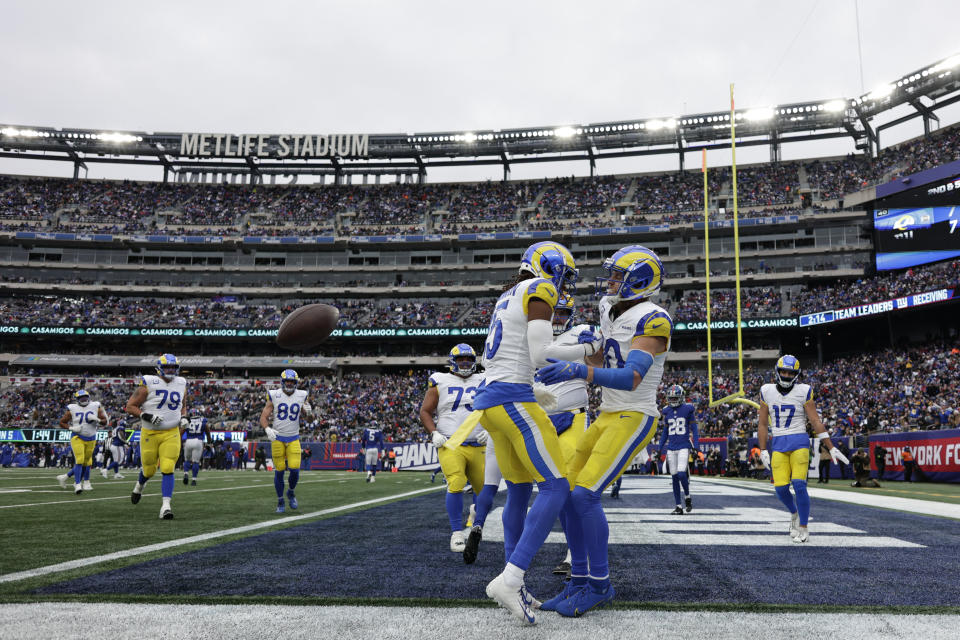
(225, 145)
(874, 308)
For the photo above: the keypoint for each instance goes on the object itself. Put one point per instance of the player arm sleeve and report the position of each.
(638, 361)
(540, 342)
(663, 437)
(694, 432)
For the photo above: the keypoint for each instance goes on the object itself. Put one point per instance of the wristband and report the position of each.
(823, 436)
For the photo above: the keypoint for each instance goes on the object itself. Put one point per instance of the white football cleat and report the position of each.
(532, 602)
(373, 478)
(513, 600)
(166, 513)
(794, 525)
(457, 542)
(87, 486)
(118, 476)
(103, 472)
(62, 480)
(802, 536)
(77, 489)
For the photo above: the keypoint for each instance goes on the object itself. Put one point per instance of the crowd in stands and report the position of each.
(137, 207)
(915, 387)
(756, 302)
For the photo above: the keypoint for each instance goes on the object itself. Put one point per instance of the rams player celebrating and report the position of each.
(82, 418)
(637, 338)
(285, 406)
(450, 395)
(159, 402)
(785, 408)
(520, 339)
(681, 427)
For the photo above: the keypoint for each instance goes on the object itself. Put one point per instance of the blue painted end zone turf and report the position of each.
(401, 550)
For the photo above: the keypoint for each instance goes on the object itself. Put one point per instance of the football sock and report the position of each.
(73, 471)
(484, 501)
(77, 473)
(166, 485)
(294, 479)
(86, 473)
(514, 513)
(196, 469)
(803, 500)
(576, 546)
(142, 480)
(787, 498)
(278, 482)
(596, 532)
(675, 478)
(513, 575)
(685, 482)
(553, 493)
(455, 510)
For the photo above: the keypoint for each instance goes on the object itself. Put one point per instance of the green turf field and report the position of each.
(937, 492)
(45, 525)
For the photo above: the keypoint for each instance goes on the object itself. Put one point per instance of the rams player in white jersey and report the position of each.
(160, 403)
(449, 396)
(636, 340)
(527, 448)
(785, 409)
(82, 417)
(284, 409)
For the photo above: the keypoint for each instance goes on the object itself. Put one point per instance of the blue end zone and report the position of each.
(400, 550)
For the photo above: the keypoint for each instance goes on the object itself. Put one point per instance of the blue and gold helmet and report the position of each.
(82, 397)
(788, 370)
(675, 395)
(462, 351)
(168, 367)
(552, 261)
(635, 270)
(563, 314)
(289, 381)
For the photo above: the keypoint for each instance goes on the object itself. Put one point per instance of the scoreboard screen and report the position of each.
(908, 237)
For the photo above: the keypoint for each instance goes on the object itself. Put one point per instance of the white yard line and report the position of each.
(84, 620)
(161, 546)
(126, 496)
(912, 505)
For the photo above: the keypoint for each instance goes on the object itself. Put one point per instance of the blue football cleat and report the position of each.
(569, 590)
(585, 600)
(280, 508)
(293, 503)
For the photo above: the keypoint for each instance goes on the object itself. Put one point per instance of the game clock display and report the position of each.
(909, 237)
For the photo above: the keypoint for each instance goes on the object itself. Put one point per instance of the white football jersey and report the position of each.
(506, 355)
(642, 319)
(164, 399)
(287, 410)
(571, 394)
(787, 416)
(455, 403)
(81, 416)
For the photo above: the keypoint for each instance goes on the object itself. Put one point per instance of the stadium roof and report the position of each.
(183, 153)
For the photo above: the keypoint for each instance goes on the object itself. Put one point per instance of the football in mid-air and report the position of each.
(307, 326)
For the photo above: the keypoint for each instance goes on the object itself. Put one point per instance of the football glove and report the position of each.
(94, 419)
(482, 437)
(560, 371)
(438, 439)
(591, 339)
(184, 423)
(76, 428)
(765, 458)
(271, 433)
(838, 457)
(152, 419)
(545, 398)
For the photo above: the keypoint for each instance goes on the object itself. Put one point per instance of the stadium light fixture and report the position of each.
(564, 132)
(470, 137)
(949, 63)
(22, 133)
(116, 137)
(835, 106)
(880, 92)
(656, 125)
(759, 115)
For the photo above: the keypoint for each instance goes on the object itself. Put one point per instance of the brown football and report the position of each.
(307, 326)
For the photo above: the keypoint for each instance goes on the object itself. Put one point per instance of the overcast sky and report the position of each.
(379, 67)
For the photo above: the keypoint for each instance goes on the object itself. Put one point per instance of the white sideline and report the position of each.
(912, 505)
(161, 546)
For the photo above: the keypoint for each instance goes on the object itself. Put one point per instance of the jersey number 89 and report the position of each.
(285, 412)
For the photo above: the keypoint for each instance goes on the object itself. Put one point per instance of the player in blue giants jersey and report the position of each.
(195, 435)
(82, 417)
(526, 445)
(372, 444)
(284, 409)
(449, 396)
(678, 420)
(160, 404)
(636, 336)
(118, 447)
(785, 409)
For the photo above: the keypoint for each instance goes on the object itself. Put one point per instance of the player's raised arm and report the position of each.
(540, 300)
